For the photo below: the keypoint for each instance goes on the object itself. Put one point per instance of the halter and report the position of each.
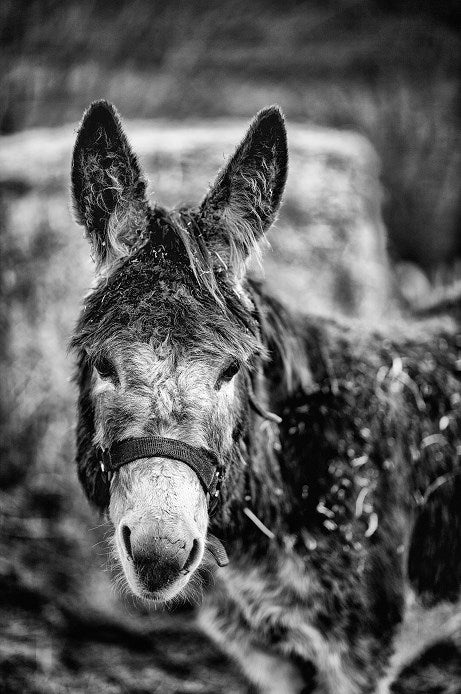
(202, 461)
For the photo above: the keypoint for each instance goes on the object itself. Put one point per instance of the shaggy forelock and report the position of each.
(168, 291)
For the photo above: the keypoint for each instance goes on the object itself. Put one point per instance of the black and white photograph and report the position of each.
(230, 347)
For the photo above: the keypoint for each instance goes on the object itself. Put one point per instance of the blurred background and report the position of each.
(369, 230)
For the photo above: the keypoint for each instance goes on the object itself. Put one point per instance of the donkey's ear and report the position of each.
(107, 186)
(245, 198)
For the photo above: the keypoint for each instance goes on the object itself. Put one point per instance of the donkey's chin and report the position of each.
(163, 595)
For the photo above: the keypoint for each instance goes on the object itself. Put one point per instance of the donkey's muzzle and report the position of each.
(159, 560)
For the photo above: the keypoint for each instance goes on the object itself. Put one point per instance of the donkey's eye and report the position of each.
(228, 373)
(105, 368)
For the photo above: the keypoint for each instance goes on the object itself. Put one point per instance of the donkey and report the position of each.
(325, 458)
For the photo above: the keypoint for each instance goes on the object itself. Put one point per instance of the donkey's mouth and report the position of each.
(168, 593)
(158, 564)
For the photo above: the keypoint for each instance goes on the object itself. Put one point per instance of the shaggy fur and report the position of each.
(357, 489)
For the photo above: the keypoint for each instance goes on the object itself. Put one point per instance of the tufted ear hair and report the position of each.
(244, 200)
(108, 188)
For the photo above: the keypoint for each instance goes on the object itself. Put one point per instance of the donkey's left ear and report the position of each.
(246, 196)
(107, 186)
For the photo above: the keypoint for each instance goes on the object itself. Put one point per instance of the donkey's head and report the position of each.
(166, 341)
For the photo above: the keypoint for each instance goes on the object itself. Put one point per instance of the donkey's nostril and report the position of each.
(126, 535)
(194, 553)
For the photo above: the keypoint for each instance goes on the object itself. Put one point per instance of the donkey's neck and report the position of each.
(258, 488)
(288, 368)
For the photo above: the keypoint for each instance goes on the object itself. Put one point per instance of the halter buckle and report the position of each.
(217, 484)
(104, 463)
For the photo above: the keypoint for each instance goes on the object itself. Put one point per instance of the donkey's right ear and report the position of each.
(108, 188)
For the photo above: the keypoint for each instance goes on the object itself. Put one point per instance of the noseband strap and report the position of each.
(202, 461)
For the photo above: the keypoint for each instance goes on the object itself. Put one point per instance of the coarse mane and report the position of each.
(170, 262)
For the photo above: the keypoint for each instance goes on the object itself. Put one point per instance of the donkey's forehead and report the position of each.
(163, 306)
(151, 362)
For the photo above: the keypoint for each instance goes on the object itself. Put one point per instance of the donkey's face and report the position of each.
(167, 338)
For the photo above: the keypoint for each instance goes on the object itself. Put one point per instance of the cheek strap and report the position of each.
(202, 461)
